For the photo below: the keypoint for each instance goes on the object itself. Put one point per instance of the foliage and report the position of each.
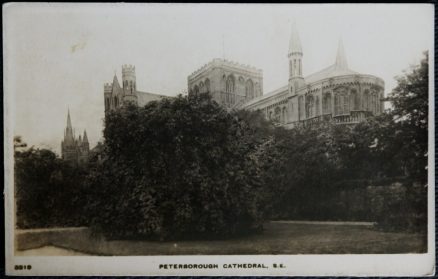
(48, 191)
(178, 168)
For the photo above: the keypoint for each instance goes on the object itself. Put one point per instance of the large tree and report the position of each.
(177, 168)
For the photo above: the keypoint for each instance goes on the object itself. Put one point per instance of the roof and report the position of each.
(329, 72)
(340, 68)
(266, 96)
(145, 97)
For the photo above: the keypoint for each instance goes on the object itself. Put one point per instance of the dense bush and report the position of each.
(48, 192)
(178, 168)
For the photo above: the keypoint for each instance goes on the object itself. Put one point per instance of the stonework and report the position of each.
(229, 83)
(74, 150)
(335, 93)
(115, 95)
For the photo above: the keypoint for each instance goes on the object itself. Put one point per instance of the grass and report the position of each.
(277, 238)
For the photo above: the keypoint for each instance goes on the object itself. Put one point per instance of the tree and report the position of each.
(176, 168)
(410, 102)
(48, 191)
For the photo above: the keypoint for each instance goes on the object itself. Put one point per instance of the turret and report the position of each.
(128, 78)
(295, 56)
(107, 90)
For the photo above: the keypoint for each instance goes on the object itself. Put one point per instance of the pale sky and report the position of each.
(59, 56)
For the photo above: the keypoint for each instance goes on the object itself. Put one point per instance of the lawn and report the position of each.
(277, 238)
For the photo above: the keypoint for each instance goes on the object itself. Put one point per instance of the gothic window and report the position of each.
(341, 103)
(201, 87)
(270, 115)
(301, 110)
(295, 67)
(277, 115)
(327, 103)
(196, 90)
(310, 106)
(290, 67)
(366, 100)
(355, 99)
(284, 115)
(249, 89)
(317, 112)
(116, 102)
(299, 67)
(374, 102)
(230, 84)
(207, 85)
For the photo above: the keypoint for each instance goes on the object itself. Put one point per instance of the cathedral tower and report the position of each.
(295, 56)
(128, 77)
(129, 83)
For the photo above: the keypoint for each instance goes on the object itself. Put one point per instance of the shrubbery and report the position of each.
(48, 192)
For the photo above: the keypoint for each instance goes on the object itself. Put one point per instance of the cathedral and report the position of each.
(335, 93)
(74, 151)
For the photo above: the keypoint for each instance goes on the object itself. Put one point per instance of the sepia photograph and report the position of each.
(219, 139)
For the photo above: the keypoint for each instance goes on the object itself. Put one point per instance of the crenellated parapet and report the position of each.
(226, 64)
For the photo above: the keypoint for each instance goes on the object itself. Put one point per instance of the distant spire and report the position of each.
(68, 119)
(68, 133)
(341, 59)
(85, 138)
(295, 42)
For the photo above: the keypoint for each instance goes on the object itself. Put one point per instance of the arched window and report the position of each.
(196, 90)
(310, 103)
(295, 67)
(201, 87)
(230, 85)
(207, 85)
(301, 110)
(342, 102)
(327, 103)
(355, 99)
(374, 102)
(270, 115)
(284, 115)
(317, 111)
(249, 89)
(277, 115)
(366, 100)
(116, 102)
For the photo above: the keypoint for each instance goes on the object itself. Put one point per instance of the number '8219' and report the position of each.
(22, 267)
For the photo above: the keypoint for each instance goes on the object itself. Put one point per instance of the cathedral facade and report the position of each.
(335, 93)
(74, 150)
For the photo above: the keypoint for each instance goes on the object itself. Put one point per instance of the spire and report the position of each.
(68, 119)
(68, 133)
(294, 43)
(85, 138)
(341, 60)
(116, 82)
